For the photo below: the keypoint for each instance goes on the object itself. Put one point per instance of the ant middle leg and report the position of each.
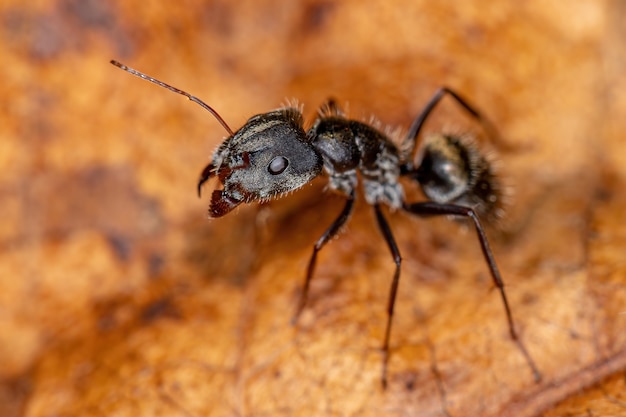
(427, 209)
(395, 253)
(321, 242)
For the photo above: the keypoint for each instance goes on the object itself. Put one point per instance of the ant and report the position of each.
(272, 154)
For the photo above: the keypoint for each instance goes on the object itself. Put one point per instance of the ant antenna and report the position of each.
(176, 90)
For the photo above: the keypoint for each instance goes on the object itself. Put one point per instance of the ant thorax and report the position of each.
(349, 147)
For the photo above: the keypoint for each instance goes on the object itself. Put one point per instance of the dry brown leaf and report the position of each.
(118, 297)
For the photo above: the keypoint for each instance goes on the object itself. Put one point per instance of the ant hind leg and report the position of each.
(410, 141)
(427, 209)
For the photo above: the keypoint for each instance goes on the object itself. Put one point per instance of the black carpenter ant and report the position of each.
(272, 154)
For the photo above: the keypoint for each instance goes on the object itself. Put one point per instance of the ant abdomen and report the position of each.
(453, 170)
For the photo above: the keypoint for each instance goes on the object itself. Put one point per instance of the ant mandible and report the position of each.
(272, 154)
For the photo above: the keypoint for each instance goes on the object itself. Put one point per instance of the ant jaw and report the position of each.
(206, 174)
(222, 203)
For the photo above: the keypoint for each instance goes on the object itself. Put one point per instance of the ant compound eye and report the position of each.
(278, 165)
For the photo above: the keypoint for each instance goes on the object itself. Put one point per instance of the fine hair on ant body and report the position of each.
(272, 154)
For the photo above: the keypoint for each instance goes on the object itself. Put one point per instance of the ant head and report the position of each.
(269, 156)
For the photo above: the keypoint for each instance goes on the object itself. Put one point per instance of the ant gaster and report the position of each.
(272, 154)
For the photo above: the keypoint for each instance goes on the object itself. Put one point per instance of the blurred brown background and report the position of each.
(118, 296)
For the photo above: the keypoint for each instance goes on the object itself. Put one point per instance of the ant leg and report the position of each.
(395, 253)
(330, 108)
(425, 209)
(207, 172)
(328, 234)
(411, 137)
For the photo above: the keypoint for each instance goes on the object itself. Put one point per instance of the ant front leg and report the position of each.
(395, 253)
(328, 234)
(330, 108)
(411, 137)
(426, 209)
